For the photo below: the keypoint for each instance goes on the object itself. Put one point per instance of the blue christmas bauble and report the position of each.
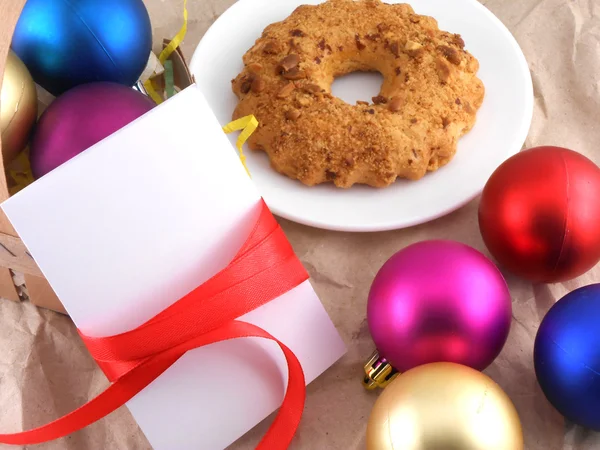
(65, 43)
(567, 356)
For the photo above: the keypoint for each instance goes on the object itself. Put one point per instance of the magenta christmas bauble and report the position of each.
(439, 301)
(80, 118)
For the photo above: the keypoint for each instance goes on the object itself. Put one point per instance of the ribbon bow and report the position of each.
(263, 269)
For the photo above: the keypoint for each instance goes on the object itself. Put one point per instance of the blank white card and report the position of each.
(137, 221)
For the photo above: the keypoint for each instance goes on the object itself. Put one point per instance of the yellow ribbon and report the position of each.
(178, 39)
(152, 92)
(164, 55)
(20, 172)
(248, 125)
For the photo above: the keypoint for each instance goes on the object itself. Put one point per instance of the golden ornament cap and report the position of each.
(378, 372)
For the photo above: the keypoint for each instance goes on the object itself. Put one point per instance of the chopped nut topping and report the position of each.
(443, 70)
(286, 90)
(294, 74)
(245, 87)
(304, 100)
(292, 114)
(270, 48)
(361, 102)
(288, 63)
(321, 44)
(379, 100)
(398, 70)
(258, 85)
(445, 122)
(458, 40)
(450, 54)
(394, 48)
(318, 60)
(412, 45)
(414, 49)
(395, 103)
(383, 27)
(359, 45)
(312, 88)
(371, 111)
(255, 68)
(297, 33)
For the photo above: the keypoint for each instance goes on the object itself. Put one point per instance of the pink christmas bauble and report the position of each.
(439, 301)
(80, 118)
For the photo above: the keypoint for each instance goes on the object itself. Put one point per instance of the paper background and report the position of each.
(45, 370)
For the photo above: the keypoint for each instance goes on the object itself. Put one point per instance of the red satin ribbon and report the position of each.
(263, 269)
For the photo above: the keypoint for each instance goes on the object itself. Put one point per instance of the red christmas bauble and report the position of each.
(540, 214)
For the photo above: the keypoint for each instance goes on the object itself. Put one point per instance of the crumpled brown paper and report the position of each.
(45, 371)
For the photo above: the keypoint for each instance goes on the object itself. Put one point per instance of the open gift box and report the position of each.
(157, 235)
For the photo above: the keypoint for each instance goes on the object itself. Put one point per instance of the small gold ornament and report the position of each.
(18, 107)
(444, 406)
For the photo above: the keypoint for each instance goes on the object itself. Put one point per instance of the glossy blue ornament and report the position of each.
(567, 356)
(65, 43)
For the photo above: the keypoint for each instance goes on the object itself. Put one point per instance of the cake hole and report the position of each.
(357, 86)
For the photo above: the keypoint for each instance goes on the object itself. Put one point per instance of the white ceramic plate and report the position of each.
(500, 131)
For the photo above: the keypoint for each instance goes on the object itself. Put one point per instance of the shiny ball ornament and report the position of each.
(567, 356)
(540, 214)
(439, 300)
(79, 119)
(65, 43)
(18, 107)
(444, 406)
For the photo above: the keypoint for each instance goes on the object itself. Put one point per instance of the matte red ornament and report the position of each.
(540, 214)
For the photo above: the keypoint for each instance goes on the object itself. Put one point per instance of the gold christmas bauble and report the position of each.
(444, 406)
(18, 107)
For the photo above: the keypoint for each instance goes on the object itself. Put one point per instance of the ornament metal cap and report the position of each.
(139, 86)
(378, 372)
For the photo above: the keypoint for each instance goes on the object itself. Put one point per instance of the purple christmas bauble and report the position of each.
(439, 301)
(80, 118)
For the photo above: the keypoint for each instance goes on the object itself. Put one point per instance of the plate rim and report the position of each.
(398, 224)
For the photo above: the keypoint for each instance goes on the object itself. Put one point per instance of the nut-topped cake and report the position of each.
(428, 99)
